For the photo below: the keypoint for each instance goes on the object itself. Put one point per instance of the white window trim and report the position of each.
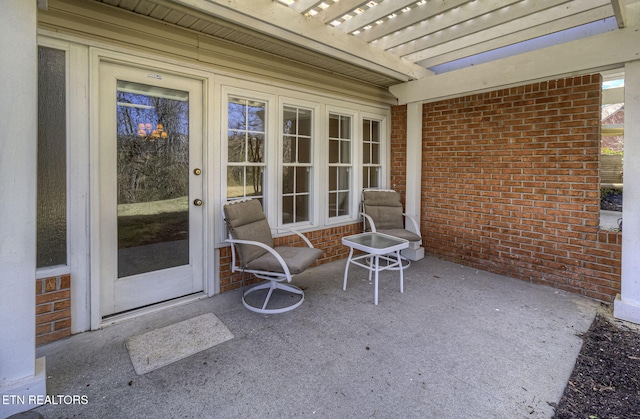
(319, 190)
(356, 157)
(385, 147)
(270, 134)
(78, 235)
(317, 131)
(64, 268)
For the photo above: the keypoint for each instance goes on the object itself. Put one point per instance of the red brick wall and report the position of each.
(510, 184)
(399, 149)
(329, 240)
(53, 308)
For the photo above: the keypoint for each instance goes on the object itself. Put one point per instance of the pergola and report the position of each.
(390, 42)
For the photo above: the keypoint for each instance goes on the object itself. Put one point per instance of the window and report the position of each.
(612, 151)
(297, 143)
(246, 148)
(52, 161)
(340, 164)
(276, 156)
(371, 166)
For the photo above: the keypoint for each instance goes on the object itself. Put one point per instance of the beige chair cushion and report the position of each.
(296, 258)
(402, 233)
(385, 208)
(246, 221)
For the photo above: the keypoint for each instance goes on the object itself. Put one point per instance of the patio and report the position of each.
(458, 343)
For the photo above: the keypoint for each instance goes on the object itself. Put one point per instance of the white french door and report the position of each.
(151, 187)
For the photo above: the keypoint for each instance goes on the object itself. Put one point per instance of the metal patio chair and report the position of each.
(383, 212)
(253, 251)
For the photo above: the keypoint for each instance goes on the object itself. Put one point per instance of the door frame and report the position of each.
(210, 258)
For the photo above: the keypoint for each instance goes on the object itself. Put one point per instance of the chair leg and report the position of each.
(290, 288)
(266, 300)
(272, 285)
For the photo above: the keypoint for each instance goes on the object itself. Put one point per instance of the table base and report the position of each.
(373, 265)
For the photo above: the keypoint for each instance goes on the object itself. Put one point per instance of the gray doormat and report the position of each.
(161, 347)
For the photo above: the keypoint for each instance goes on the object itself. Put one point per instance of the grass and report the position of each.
(154, 207)
(153, 222)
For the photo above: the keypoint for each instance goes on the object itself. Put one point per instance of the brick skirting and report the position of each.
(53, 308)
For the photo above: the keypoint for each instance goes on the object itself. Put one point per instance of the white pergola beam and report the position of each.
(373, 14)
(283, 23)
(573, 57)
(339, 9)
(473, 16)
(620, 12)
(470, 19)
(494, 38)
(516, 27)
(421, 13)
(302, 6)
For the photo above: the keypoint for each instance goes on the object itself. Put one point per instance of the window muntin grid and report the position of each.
(340, 164)
(246, 144)
(371, 148)
(297, 167)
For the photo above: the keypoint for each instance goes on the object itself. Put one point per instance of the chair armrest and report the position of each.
(297, 233)
(370, 220)
(269, 249)
(414, 223)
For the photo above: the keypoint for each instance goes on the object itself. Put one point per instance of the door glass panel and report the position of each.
(153, 178)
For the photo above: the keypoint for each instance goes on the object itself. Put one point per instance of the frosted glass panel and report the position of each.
(52, 161)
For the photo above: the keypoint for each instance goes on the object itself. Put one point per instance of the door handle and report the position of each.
(197, 202)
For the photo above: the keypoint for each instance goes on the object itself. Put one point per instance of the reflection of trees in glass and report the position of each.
(255, 154)
(246, 147)
(151, 166)
(235, 180)
(296, 167)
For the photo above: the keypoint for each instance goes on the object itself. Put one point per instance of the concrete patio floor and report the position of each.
(458, 343)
